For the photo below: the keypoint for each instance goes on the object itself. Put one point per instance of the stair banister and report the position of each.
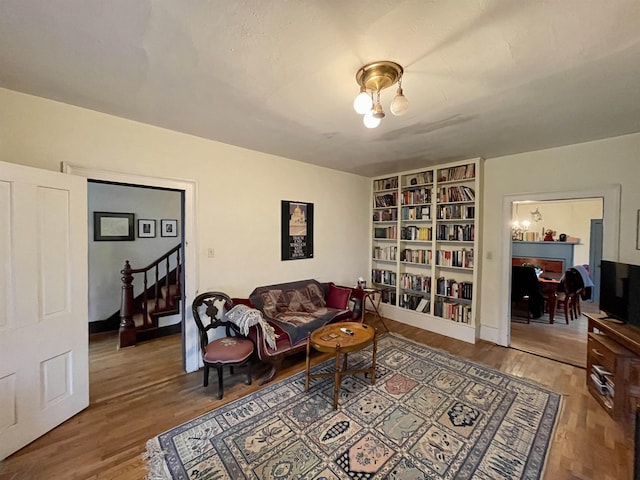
(127, 331)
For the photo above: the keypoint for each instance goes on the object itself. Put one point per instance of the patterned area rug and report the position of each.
(430, 415)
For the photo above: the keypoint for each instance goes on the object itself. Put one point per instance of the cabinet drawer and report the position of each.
(603, 351)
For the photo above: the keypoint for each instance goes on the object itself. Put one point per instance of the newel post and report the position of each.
(127, 332)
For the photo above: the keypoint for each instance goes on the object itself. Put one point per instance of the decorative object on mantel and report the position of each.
(519, 230)
(430, 414)
(373, 78)
(536, 216)
(548, 235)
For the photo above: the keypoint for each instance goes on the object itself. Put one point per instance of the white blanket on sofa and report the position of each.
(245, 317)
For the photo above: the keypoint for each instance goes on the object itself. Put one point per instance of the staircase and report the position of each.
(141, 316)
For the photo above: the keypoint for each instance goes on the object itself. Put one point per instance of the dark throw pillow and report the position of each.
(338, 297)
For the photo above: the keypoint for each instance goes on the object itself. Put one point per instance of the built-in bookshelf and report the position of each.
(424, 246)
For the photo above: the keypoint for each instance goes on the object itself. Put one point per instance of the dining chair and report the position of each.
(229, 350)
(568, 294)
(526, 288)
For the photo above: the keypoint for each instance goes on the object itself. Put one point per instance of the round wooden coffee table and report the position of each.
(341, 338)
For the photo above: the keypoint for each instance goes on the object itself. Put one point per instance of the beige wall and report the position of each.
(586, 166)
(239, 190)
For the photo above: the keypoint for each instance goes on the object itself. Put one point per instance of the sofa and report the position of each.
(294, 310)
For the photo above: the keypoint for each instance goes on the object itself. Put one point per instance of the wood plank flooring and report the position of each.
(107, 440)
(561, 341)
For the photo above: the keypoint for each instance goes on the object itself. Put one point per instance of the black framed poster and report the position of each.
(297, 230)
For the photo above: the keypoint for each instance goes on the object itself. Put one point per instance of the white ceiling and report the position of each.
(483, 77)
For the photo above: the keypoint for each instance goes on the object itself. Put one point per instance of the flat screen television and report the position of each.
(620, 291)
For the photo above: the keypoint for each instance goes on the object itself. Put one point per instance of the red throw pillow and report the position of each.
(338, 297)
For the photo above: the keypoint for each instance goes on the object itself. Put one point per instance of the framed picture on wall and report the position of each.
(168, 228)
(146, 228)
(297, 230)
(112, 226)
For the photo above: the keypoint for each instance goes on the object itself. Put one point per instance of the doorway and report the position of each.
(568, 224)
(190, 341)
(610, 233)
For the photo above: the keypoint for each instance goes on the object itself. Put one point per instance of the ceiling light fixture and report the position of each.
(373, 78)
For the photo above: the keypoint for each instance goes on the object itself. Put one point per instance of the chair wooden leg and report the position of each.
(220, 388)
(248, 382)
(206, 376)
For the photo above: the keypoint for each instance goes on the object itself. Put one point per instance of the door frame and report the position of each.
(191, 345)
(610, 239)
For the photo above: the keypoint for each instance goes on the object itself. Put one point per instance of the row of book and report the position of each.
(385, 253)
(385, 183)
(416, 213)
(456, 212)
(413, 232)
(601, 379)
(450, 287)
(416, 196)
(424, 257)
(414, 302)
(456, 194)
(462, 258)
(388, 296)
(388, 215)
(457, 232)
(390, 232)
(386, 199)
(461, 172)
(384, 277)
(419, 178)
(418, 283)
(455, 312)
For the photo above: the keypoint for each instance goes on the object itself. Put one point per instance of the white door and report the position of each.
(44, 363)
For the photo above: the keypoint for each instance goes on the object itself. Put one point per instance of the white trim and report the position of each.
(191, 345)
(610, 240)
(489, 334)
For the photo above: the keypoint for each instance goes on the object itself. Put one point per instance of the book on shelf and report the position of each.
(423, 306)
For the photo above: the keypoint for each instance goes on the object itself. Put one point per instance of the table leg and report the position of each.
(375, 309)
(552, 301)
(337, 379)
(306, 380)
(373, 362)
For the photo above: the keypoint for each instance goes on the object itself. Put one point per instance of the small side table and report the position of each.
(331, 339)
(373, 296)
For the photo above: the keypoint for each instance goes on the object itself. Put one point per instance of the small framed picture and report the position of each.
(146, 228)
(112, 227)
(169, 228)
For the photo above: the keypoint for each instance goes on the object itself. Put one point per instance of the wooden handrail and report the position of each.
(127, 332)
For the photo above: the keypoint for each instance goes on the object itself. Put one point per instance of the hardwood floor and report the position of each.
(107, 440)
(561, 341)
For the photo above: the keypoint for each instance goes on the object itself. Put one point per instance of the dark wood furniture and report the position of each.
(231, 350)
(336, 339)
(616, 348)
(373, 296)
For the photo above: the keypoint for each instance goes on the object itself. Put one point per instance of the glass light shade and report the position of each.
(400, 104)
(362, 103)
(370, 121)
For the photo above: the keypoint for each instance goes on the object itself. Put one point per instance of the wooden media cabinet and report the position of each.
(613, 365)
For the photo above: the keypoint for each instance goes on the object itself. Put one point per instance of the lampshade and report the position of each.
(370, 121)
(362, 103)
(400, 104)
